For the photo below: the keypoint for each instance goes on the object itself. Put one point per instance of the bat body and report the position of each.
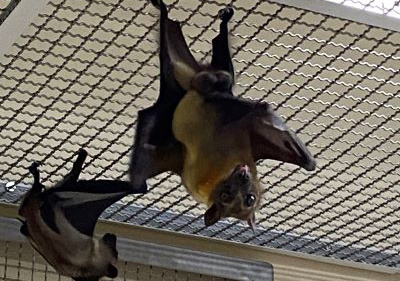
(198, 129)
(208, 146)
(59, 223)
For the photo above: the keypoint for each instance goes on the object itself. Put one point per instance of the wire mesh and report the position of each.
(19, 262)
(6, 7)
(78, 76)
(384, 7)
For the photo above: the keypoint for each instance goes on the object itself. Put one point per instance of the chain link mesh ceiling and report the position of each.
(83, 69)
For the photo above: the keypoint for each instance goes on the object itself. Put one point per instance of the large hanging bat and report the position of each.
(203, 133)
(59, 223)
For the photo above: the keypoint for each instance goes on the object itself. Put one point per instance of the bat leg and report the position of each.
(73, 175)
(78, 164)
(221, 57)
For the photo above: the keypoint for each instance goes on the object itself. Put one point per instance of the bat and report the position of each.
(60, 221)
(199, 130)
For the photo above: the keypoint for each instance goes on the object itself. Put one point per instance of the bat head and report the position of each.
(236, 196)
(104, 259)
(211, 83)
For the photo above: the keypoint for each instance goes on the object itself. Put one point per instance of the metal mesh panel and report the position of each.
(6, 7)
(78, 76)
(19, 262)
(385, 7)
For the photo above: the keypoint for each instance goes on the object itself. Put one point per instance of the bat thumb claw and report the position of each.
(149, 147)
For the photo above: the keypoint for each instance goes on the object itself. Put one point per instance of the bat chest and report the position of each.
(210, 153)
(194, 124)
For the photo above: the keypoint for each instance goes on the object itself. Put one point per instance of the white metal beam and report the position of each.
(16, 23)
(345, 12)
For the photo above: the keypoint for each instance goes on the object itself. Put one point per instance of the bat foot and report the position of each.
(226, 14)
(82, 152)
(33, 168)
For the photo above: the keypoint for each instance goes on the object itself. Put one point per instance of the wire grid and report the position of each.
(384, 7)
(6, 7)
(18, 261)
(81, 72)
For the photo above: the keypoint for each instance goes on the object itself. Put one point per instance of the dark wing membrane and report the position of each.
(270, 138)
(83, 202)
(156, 150)
(221, 57)
(47, 213)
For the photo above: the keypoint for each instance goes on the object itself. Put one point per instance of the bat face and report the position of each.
(236, 196)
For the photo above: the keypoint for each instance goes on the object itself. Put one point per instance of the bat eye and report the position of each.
(250, 200)
(225, 197)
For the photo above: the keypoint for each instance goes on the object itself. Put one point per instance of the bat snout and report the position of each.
(242, 172)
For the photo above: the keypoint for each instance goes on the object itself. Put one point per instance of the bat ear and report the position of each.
(212, 215)
(112, 271)
(111, 240)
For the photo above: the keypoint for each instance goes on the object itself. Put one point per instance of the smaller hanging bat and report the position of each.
(59, 223)
(198, 129)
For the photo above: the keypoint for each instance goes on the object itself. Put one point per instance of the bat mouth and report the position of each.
(242, 172)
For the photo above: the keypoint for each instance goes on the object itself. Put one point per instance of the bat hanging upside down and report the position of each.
(198, 129)
(59, 223)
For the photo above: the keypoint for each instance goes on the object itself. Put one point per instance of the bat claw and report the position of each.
(33, 168)
(226, 14)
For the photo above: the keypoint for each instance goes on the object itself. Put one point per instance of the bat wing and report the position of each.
(82, 202)
(155, 148)
(269, 136)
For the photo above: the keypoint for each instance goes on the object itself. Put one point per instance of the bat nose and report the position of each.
(244, 171)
